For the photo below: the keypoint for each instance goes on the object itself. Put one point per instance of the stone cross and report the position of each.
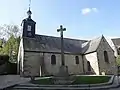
(62, 44)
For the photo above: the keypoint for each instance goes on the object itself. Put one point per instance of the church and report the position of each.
(40, 55)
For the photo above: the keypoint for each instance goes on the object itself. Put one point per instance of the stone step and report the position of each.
(80, 85)
(49, 88)
(31, 87)
(37, 85)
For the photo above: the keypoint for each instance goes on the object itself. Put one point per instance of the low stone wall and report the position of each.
(68, 87)
(6, 67)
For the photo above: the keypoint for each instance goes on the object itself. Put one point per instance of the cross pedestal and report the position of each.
(63, 71)
(62, 77)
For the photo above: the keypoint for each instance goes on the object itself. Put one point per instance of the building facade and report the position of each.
(41, 55)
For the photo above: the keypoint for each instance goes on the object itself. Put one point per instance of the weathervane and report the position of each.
(29, 4)
(29, 12)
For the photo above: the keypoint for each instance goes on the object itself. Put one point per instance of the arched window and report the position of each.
(88, 66)
(106, 57)
(77, 59)
(53, 59)
(118, 50)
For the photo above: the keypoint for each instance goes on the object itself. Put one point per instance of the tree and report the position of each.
(11, 33)
(118, 60)
(7, 31)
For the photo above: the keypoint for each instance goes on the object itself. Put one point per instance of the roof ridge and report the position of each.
(92, 45)
(64, 38)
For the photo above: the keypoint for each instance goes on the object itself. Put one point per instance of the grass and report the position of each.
(78, 80)
(91, 79)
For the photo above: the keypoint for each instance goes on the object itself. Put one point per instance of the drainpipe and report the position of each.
(98, 64)
(83, 64)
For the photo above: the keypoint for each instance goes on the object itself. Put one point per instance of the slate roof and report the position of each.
(53, 44)
(116, 41)
(91, 45)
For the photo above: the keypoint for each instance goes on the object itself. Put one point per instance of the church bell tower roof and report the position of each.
(28, 26)
(29, 13)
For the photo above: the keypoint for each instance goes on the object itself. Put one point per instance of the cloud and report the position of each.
(86, 11)
(94, 9)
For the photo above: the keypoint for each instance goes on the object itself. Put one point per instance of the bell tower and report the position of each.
(28, 26)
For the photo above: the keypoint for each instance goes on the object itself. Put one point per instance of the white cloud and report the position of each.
(86, 11)
(94, 9)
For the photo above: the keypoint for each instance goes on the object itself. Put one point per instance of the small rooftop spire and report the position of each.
(29, 11)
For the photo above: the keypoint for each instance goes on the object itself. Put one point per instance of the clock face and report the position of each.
(29, 28)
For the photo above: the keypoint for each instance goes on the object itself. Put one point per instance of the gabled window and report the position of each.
(88, 66)
(106, 57)
(77, 59)
(53, 59)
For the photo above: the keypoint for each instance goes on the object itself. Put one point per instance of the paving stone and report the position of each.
(10, 80)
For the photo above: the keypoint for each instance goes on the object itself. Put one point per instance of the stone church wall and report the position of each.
(51, 69)
(92, 58)
(107, 67)
(31, 64)
(73, 68)
(20, 58)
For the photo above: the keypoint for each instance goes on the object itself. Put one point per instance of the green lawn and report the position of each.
(91, 79)
(78, 80)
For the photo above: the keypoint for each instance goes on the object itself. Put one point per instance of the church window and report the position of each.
(106, 57)
(88, 66)
(53, 59)
(77, 59)
(29, 28)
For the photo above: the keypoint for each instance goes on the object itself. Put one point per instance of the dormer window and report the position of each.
(29, 28)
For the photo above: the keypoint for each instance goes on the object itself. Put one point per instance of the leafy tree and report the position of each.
(7, 31)
(11, 33)
(118, 60)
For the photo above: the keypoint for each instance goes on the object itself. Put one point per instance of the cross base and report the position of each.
(63, 71)
(62, 77)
